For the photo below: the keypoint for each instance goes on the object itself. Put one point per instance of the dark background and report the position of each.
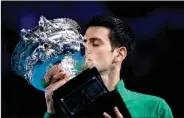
(155, 67)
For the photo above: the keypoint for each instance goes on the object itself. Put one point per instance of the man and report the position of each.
(109, 42)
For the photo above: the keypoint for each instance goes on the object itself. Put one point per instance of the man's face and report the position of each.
(98, 48)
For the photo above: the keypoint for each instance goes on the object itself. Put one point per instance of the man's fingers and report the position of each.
(54, 86)
(51, 72)
(117, 112)
(106, 115)
(58, 76)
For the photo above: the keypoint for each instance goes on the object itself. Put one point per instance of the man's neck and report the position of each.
(111, 79)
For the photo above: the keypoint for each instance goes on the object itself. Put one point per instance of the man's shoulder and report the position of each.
(145, 97)
(155, 103)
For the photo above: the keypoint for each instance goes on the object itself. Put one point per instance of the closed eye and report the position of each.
(95, 45)
(85, 40)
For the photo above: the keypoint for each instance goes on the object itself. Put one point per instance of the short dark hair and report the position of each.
(120, 34)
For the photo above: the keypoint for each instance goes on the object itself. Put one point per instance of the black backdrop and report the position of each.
(155, 66)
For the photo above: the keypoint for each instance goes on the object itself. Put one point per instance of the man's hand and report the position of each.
(117, 112)
(55, 78)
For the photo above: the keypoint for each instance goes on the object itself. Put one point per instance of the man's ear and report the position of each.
(121, 54)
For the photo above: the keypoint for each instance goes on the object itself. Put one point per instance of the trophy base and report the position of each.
(87, 96)
(105, 103)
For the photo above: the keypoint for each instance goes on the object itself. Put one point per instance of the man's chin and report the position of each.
(88, 65)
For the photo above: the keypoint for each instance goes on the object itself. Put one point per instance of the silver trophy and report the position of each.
(56, 41)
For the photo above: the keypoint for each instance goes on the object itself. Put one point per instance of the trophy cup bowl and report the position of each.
(56, 41)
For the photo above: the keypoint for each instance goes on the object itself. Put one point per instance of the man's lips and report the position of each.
(88, 64)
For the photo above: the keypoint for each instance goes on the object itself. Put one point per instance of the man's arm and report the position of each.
(164, 111)
(54, 78)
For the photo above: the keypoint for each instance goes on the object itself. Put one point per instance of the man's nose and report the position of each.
(87, 49)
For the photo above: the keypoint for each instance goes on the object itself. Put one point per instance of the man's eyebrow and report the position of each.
(93, 39)
(96, 39)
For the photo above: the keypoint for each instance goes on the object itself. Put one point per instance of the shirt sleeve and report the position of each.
(48, 115)
(164, 110)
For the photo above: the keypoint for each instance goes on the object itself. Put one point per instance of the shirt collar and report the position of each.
(120, 87)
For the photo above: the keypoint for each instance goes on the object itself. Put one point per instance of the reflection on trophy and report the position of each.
(58, 41)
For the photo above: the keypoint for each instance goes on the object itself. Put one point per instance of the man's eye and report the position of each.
(95, 45)
(85, 40)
